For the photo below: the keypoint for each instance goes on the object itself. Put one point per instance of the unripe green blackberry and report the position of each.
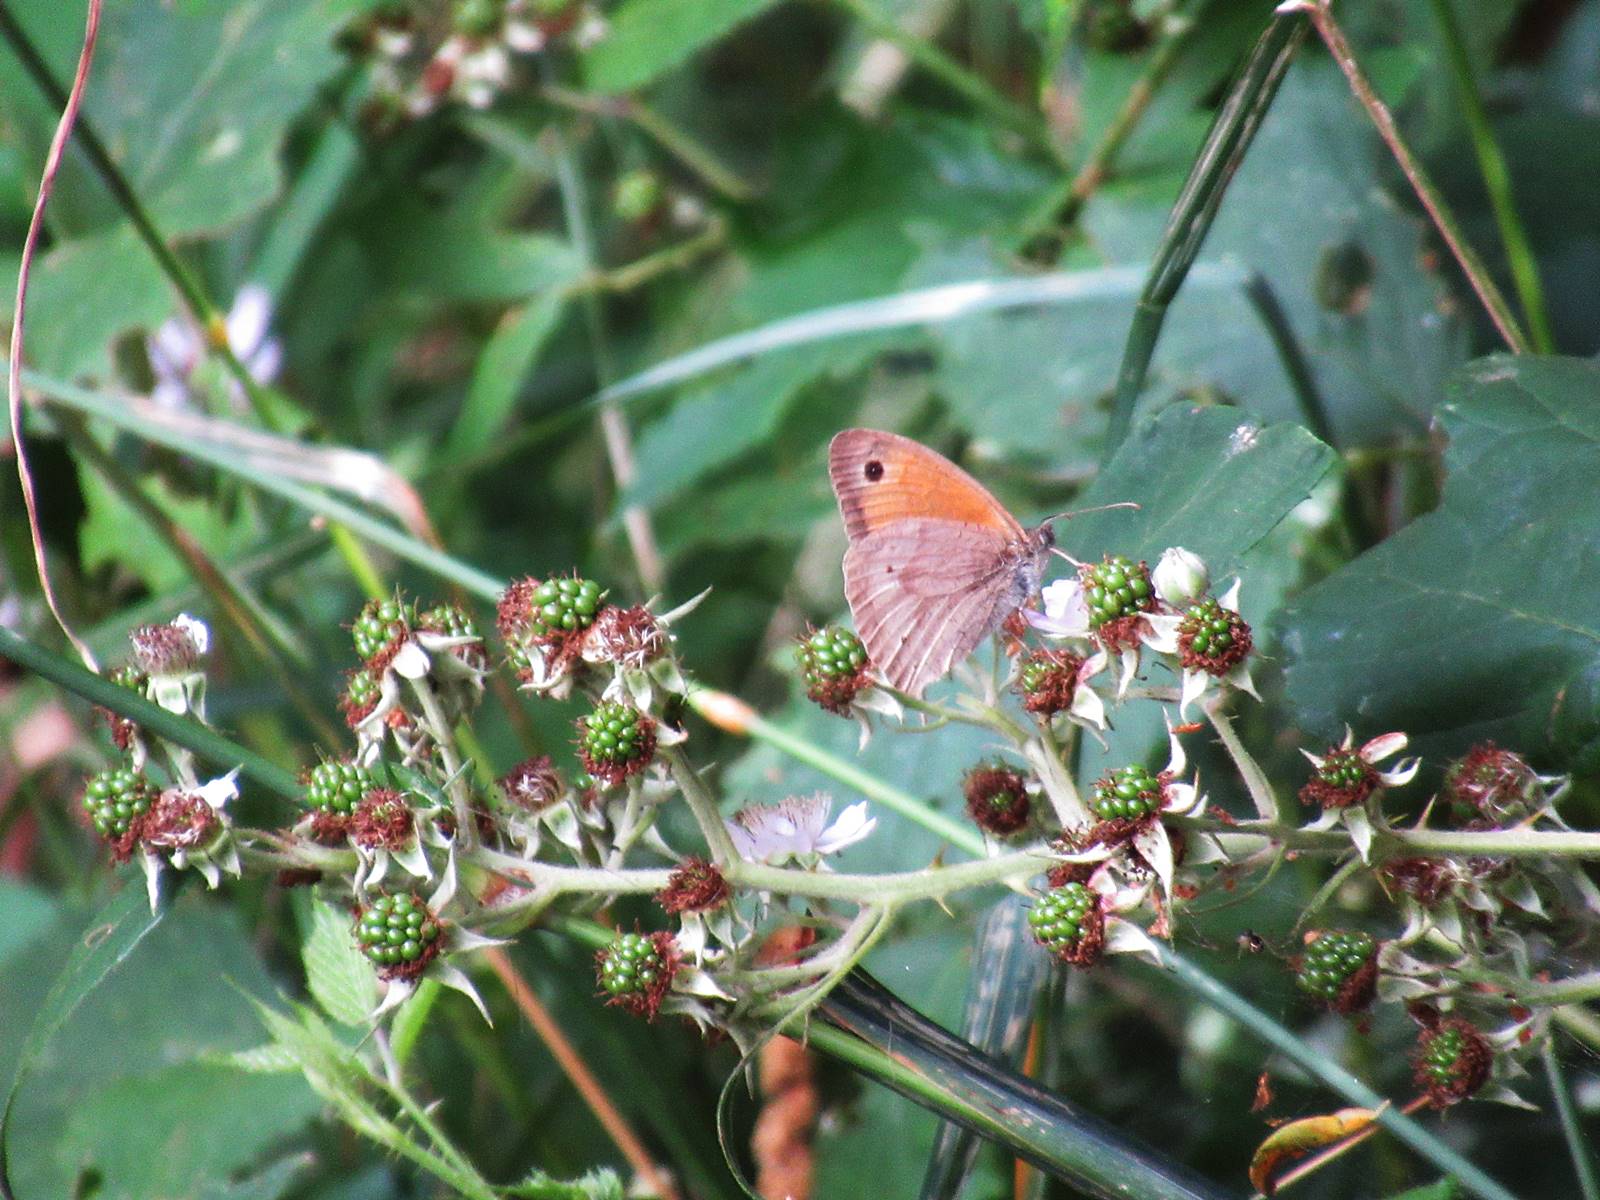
(337, 787)
(1068, 922)
(1452, 1061)
(636, 970)
(382, 626)
(1048, 681)
(1212, 638)
(399, 934)
(123, 731)
(615, 741)
(564, 605)
(360, 696)
(1490, 785)
(833, 663)
(1114, 588)
(1344, 779)
(116, 798)
(1340, 967)
(637, 195)
(1127, 794)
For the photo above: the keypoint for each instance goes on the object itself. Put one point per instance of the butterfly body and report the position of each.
(935, 563)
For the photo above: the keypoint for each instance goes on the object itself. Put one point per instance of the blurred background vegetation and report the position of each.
(479, 241)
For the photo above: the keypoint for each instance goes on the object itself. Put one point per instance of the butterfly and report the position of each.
(935, 563)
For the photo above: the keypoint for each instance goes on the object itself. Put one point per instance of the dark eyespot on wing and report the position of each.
(873, 470)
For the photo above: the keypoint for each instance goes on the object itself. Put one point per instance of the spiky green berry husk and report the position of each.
(1115, 588)
(564, 605)
(382, 627)
(615, 741)
(1340, 968)
(399, 934)
(337, 787)
(1490, 785)
(635, 971)
(833, 664)
(1127, 794)
(115, 799)
(1212, 638)
(1344, 779)
(1048, 681)
(1453, 1060)
(1068, 921)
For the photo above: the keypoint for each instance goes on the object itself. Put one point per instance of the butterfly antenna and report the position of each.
(1078, 512)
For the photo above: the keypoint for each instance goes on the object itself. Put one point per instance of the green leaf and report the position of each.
(448, 255)
(84, 293)
(1444, 1189)
(1212, 480)
(1474, 621)
(338, 976)
(196, 1123)
(103, 946)
(191, 99)
(648, 38)
(508, 357)
(28, 912)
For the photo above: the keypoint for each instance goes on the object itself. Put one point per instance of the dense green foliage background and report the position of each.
(453, 291)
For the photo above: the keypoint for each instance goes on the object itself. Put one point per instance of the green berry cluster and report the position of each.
(381, 623)
(636, 970)
(564, 605)
(1062, 916)
(361, 695)
(398, 933)
(1116, 587)
(1438, 1060)
(448, 619)
(1212, 638)
(115, 798)
(1126, 794)
(1343, 779)
(615, 740)
(1035, 674)
(831, 653)
(337, 787)
(1453, 1060)
(1332, 960)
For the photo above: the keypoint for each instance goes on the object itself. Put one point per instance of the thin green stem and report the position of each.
(1196, 207)
(902, 887)
(151, 717)
(1497, 843)
(958, 78)
(1496, 181)
(1255, 779)
(755, 726)
(1578, 1143)
(703, 805)
(444, 742)
(1482, 282)
(1320, 1067)
(1061, 207)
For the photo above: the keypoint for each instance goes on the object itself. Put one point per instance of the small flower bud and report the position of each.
(1049, 681)
(399, 934)
(1070, 923)
(532, 785)
(1340, 967)
(382, 820)
(997, 799)
(696, 886)
(635, 971)
(175, 648)
(1180, 578)
(1490, 784)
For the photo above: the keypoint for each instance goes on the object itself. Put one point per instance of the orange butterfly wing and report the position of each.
(932, 559)
(883, 477)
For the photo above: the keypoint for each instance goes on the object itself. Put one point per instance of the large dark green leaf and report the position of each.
(1481, 618)
(649, 37)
